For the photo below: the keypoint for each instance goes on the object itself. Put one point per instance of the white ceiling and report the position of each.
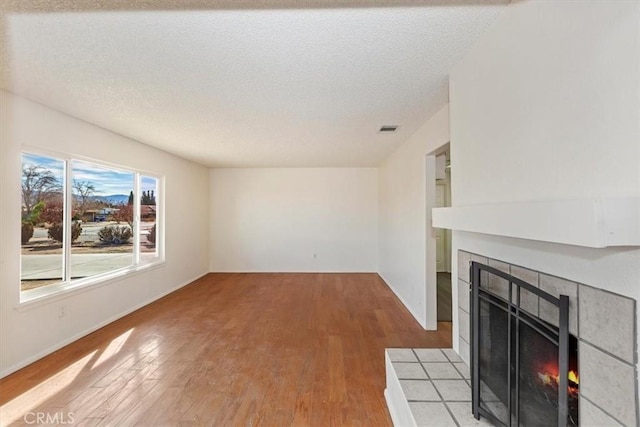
(240, 84)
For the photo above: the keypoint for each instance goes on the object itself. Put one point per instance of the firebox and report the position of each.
(524, 370)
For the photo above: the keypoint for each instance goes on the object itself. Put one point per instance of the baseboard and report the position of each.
(17, 366)
(292, 272)
(419, 319)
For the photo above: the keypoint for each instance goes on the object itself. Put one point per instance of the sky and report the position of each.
(107, 181)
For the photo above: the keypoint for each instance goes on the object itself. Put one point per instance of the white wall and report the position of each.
(404, 218)
(28, 334)
(276, 220)
(546, 106)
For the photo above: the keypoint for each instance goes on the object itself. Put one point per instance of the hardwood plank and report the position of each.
(232, 349)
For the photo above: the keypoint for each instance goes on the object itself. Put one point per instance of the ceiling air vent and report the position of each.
(388, 129)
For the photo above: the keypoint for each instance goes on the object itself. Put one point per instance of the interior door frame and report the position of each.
(431, 275)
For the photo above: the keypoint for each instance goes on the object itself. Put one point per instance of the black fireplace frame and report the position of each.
(559, 336)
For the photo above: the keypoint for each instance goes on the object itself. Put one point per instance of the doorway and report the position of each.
(443, 239)
(438, 244)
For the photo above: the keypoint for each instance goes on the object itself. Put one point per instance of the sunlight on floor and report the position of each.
(47, 390)
(15, 409)
(114, 348)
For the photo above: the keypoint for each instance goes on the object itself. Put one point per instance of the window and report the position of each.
(82, 222)
(148, 208)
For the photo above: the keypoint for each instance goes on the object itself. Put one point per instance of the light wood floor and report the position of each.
(231, 349)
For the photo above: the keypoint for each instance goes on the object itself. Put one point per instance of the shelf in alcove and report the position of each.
(595, 223)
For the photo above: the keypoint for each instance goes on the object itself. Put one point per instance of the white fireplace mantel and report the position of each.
(595, 223)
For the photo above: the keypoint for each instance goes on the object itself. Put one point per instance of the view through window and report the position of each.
(81, 219)
(148, 207)
(43, 182)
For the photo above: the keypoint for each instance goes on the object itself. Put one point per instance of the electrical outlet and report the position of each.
(62, 311)
(315, 256)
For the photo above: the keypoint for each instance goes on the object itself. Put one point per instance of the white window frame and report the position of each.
(67, 285)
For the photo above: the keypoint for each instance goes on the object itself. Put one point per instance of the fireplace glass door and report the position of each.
(524, 370)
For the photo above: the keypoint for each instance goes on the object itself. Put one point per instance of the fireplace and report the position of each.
(524, 369)
(601, 381)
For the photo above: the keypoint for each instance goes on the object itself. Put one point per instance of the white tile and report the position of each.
(464, 351)
(529, 276)
(464, 258)
(463, 296)
(453, 390)
(556, 287)
(401, 355)
(430, 355)
(464, 325)
(592, 416)
(608, 382)
(463, 368)
(607, 321)
(484, 275)
(479, 258)
(498, 285)
(419, 390)
(451, 355)
(528, 300)
(431, 414)
(409, 371)
(462, 413)
(439, 370)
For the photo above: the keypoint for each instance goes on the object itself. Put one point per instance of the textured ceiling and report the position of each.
(252, 83)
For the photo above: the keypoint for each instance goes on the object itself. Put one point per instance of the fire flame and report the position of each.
(548, 379)
(554, 380)
(573, 377)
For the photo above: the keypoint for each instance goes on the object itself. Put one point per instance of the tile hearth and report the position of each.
(429, 387)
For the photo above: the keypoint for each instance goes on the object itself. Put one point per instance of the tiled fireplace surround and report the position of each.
(603, 322)
(420, 383)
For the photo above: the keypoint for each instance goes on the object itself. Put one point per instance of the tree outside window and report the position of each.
(91, 234)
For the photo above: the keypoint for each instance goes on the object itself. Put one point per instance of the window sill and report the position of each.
(39, 297)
